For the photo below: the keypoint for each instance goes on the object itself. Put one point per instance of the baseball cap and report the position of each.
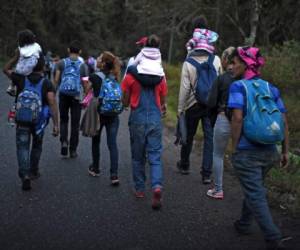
(142, 41)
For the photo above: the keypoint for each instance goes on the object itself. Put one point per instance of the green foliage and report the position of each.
(285, 184)
(292, 102)
(283, 65)
(173, 78)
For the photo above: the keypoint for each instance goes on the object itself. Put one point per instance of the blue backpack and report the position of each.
(206, 75)
(263, 122)
(110, 95)
(70, 81)
(29, 103)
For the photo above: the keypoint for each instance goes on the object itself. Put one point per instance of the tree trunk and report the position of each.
(218, 14)
(172, 33)
(253, 22)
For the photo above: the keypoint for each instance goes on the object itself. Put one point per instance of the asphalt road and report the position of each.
(67, 209)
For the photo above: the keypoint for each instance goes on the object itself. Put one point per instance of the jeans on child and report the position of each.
(221, 137)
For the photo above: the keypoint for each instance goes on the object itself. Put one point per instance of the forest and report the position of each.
(116, 24)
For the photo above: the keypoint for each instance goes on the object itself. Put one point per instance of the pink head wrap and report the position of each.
(253, 59)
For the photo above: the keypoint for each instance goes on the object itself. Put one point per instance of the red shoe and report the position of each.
(156, 198)
(139, 194)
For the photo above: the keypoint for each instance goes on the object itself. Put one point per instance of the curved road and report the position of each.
(67, 209)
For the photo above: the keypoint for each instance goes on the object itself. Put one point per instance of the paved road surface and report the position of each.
(67, 209)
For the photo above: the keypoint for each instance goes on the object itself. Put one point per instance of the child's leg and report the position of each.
(11, 90)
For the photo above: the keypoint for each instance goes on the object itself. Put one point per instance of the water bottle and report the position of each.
(12, 116)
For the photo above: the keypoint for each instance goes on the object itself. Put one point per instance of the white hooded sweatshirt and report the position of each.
(148, 61)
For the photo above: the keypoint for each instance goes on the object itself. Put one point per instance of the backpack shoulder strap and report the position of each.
(65, 60)
(211, 59)
(35, 87)
(193, 62)
(101, 75)
(39, 86)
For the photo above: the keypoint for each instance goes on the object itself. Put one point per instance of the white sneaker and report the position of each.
(214, 194)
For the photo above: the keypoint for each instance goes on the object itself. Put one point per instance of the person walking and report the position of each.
(195, 109)
(254, 154)
(68, 76)
(145, 94)
(217, 102)
(109, 73)
(35, 95)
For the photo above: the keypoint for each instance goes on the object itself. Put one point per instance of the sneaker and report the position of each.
(214, 194)
(277, 244)
(34, 174)
(156, 199)
(139, 194)
(11, 90)
(206, 180)
(73, 153)
(11, 117)
(64, 150)
(182, 170)
(114, 180)
(26, 183)
(93, 172)
(241, 229)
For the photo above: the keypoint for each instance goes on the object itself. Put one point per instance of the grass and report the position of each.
(284, 183)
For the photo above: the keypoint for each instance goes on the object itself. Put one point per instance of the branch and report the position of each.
(239, 28)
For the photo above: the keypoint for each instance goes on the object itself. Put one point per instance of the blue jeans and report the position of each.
(28, 159)
(112, 128)
(251, 167)
(146, 140)
(193, 115)
(221, 138)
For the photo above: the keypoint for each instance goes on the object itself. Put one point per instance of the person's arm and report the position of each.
(236, 104)
(236, 127)
(137, 59)
(285, 143)
(7, 70)
(163, 96)
(54, 111)
(126, 91)
(126, 99)
(58, 71)
(185, 87)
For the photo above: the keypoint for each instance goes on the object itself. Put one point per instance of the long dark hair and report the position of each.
(111, 64)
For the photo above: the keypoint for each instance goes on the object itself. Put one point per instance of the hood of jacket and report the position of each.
(151, 53)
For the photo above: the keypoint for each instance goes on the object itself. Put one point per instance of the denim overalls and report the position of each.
(146, 140)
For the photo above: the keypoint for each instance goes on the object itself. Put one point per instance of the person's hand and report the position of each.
(55, 131)
(178, 114)
(284, 160)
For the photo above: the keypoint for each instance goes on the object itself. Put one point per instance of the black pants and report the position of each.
(67, 103)
(193, 116)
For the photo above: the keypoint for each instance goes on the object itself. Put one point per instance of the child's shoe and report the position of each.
(11, 90)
